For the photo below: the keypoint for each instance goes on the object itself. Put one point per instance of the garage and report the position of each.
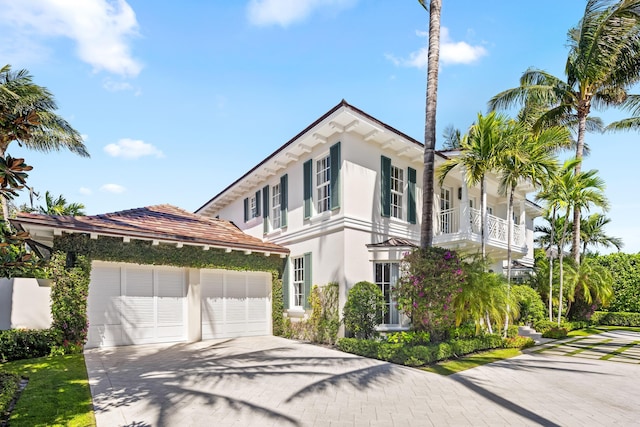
(161, 274)
(235, 304)
(134, 304)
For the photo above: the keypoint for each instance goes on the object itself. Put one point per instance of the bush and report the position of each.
(8, 389)
(18, 344)
(362, 311)
(555, 333)
(615, 318)
(325, 319)
(468, 330)
(531, 306)
(625, 270)
(512, 331)
(409, 338)
(518, 342)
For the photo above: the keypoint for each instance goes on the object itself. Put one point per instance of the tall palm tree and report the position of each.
(603, 63)
(27, 117)
(589, 282)
(59, 206)
(593, 233)
(451, 138)
(577, 191)
(478, 149)
(433, 57)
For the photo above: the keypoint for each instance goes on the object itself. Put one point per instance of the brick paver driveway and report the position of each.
(273, 381)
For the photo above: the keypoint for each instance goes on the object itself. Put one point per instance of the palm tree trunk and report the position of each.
(3, 200)
(483, 217)
(561, 257)
(426, 232)
(509, 233)
(582, 129)
(551, 240)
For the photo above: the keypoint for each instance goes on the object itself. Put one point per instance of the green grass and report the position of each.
(587, 347)
(620, 350)
(57, 393)
(584, 332)
(450, 367)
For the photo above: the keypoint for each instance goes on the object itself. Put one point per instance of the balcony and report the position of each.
(460, 228)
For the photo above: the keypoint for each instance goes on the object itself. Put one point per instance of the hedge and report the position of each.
(418, 355)
(9, 384)
(611, 318)
(18, 344)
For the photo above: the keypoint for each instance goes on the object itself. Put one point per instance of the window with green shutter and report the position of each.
(307, 178)
(411, 198)
(284, 199)
(336, 163)
(385, 186)
(265, 209)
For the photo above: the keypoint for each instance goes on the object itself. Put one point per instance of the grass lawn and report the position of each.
(449, 367)
(600, 329)
(57, 393)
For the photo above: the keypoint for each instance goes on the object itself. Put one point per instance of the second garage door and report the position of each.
(235, 303)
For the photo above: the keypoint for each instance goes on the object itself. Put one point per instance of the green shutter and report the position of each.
(307, 177)
(385, 186)
(411, 199)
(265, 209)
(284, 199)
(286, 285)
(334, 185)
(257, 203)
(307, 280)
(246, 209)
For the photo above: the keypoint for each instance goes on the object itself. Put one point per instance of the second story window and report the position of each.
(276, 213)
(397, 191)
(253, 207)
(323, 184)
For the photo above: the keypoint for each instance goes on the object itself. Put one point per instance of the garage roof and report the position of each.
(159, 223)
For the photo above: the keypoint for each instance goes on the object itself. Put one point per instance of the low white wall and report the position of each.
(24, 303)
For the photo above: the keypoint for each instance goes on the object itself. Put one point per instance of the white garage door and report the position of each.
(235, 303)
(131, 304)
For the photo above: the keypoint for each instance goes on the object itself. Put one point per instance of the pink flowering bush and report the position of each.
(427, 288)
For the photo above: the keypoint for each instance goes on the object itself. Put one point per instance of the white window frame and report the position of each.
(253, 207)
(298, 282)
(323, 184)
(386, 275)
(445, 220)
(397, 192)
(276, 213)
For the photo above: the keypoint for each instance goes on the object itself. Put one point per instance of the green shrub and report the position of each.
(615, 318)
(8, 389)
(18, 344)
(512, 331)
(532, 308)
(366, 348)
(467, 330)
(625, 270)
(296, 330)
(409, 337)
(365, 304)
(325, 318)
(518, 342)
(555, 333)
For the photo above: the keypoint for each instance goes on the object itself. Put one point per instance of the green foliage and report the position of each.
(512, 331)
(277, 307)
(69, 293)
(408, 338)
(13, 176)
(325, 315)
(531, 306)
(15, 261)
(625, 272)
(362, 311)
(518, 342)
(8, 390)
(418, 355)
(296, 330)
(555, 333)
(18, 344)
(426, 291)
(611, 318)
(466, 330)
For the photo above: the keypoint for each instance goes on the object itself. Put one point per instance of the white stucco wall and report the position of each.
(24, 303)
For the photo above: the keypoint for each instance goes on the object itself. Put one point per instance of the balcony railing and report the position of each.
(452, 221)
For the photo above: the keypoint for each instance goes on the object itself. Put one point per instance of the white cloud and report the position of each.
(85, 191)
(132, 149)
(112, 86)
(287, 12)
(101, 29)
(451, 52)
(113, 188)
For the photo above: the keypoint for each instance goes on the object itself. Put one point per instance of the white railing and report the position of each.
(449, 223)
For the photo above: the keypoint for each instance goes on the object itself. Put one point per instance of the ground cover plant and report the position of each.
(57, 393)
(450, 367)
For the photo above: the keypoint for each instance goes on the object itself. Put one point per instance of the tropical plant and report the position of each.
(27, 117)
(60, 206)
(531, 307)
(603, 63)
(589, 285)
(593, 233)
(433, 56)
(477, 158)
(451, 138)
(363, 309)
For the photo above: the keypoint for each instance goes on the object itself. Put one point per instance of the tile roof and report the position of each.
(159, 222)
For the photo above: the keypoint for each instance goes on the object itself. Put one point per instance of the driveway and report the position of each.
(263, 381)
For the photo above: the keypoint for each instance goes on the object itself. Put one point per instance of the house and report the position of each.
(161, 274)
(344, 196)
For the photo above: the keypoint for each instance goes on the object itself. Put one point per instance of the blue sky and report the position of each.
(178, 99)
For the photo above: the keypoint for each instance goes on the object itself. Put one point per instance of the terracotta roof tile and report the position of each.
(161, 222)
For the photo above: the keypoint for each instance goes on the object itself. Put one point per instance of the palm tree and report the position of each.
(59, 206)
(451, 138)
(603, 63)
(477, 158)
(593, 233)
(576, 191)
(27, 117)
(426, 231)
(590, 283)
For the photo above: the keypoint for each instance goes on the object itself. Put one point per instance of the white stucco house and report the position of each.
(344, 196)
